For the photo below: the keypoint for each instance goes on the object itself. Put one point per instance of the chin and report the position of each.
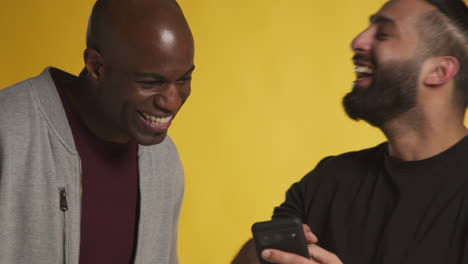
(150, 139)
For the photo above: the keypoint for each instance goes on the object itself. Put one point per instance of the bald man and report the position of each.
(87, 172)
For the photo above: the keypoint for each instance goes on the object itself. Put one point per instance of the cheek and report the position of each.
(108, 99)
(185, 92)
(117, 102)
(387, 52)
(138, 100)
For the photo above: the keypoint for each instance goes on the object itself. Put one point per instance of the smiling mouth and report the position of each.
(363, 71)
(157, 123)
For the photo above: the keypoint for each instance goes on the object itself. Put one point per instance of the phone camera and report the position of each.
(266, 239)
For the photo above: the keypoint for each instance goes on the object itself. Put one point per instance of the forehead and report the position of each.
(405, 12)
(404, 16)
(162, 44)
(151, 39)
(401, 19)
(165, 54)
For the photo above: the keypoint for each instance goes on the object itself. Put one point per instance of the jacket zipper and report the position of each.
(64, 209)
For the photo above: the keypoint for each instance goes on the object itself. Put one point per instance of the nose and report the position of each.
(169, 98)
(362, 43)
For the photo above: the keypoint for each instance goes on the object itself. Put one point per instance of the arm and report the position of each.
(293, 206)
(247, 254)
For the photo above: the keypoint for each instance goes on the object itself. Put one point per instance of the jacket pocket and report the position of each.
(64, 209)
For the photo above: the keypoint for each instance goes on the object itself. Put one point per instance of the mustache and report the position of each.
(363, 57)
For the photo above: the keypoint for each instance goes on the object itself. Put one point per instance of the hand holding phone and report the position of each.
(284, 234)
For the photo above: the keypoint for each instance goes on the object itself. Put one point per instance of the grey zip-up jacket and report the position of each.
(40, 183)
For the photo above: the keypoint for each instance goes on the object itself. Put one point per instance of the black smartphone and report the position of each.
(285, 234)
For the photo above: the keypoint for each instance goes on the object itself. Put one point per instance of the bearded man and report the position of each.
(406, 200)
(87, 173)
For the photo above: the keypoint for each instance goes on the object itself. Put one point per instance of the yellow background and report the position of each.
(265, 107)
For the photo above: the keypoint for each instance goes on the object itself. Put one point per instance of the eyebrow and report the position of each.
(159, 76)
(377, 19)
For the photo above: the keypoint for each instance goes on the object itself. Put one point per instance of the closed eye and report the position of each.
(152, 82)
(381, 36)
(184, 80)
(149, 84)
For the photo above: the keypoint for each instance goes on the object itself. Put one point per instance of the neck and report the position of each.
(423, 137)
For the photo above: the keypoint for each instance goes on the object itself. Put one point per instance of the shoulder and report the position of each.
(24, 95)
(346, 166)
(15, 96)
(332, 175)
(353, 159)
(17, 108)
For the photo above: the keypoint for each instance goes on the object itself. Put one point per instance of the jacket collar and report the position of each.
(52, 107)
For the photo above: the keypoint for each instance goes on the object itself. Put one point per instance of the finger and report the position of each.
(322, 255)
(309, 236)
(281, 257)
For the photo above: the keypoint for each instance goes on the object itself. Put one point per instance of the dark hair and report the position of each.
(445, 33)
(455, 10)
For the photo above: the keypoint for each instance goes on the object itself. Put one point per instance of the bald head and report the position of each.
(158, 21)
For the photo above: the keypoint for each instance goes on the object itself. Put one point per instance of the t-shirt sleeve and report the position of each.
(293, 204)
(298, 194)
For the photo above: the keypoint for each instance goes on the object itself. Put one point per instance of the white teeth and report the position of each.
(363, 69)
(157, 121)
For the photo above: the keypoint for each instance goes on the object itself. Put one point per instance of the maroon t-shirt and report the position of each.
(109, 194)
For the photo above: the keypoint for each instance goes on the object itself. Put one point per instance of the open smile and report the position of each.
(364, 74)
(158, 124)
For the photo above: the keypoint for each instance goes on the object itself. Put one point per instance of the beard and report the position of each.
(391, 93)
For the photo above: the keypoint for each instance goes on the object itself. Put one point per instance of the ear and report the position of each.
(93, 63)
(441, 70)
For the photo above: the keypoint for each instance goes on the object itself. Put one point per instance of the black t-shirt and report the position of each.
(367, 207)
